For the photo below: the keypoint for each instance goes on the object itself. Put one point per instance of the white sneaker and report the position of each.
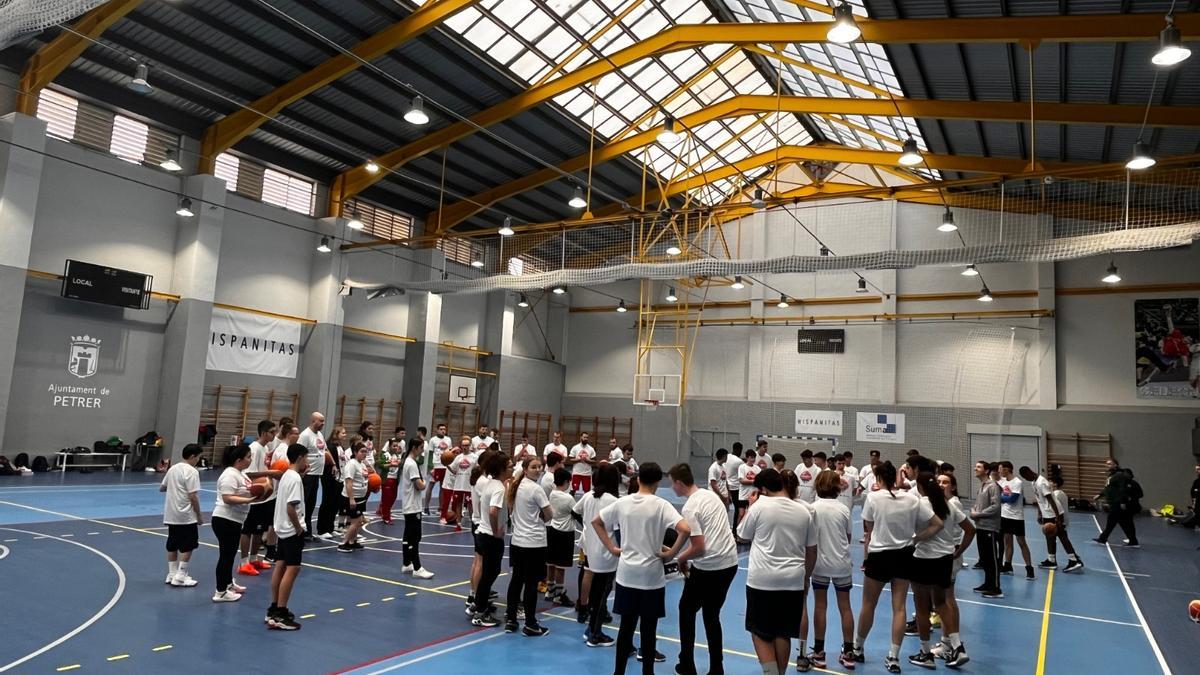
(170, 578)
(227, 596)
(407, 569)
(327, 536)
(236, 588)
(423, 574)
(183, 581)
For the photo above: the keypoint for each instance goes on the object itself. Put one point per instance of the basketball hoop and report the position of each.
(652, 404)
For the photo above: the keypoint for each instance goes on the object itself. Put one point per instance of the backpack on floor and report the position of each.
(40, 465)
(21, 460)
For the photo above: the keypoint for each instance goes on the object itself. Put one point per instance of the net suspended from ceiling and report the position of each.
(23, 17)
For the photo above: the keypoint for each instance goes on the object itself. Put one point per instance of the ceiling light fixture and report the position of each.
(506, 229)
(1141, 158)
(577, 201)
(825, 252)
(1170, 46)
(758, 202)
(353, 222)
(324, 245)
(169, 161)
(947, 222)
(668, 135)
(970, 271)
(476, 263)
(844, 29)
(371, 167)
(674, 249)
(621, 309)
(737, 284)
(783, 303)
(558, 290)
(141, 80)
(671, 297)
(416, 113)
(909, 154)
(1112, 277)
(185, 208)
(862, 285)
(523, 301)
(985, 295)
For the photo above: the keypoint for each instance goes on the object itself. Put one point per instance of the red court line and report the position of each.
(410, 650)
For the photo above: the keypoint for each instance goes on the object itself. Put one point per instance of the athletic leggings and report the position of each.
(492, 551)
(990, 545)
(528, 568)
(412, 540)
(1123, 516)
(330, 501)
(228, 533)
(311, 483)
(704, 591)
(602, 583)
(649, 633)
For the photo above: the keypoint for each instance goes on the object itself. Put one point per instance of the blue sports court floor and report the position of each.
(82, 566)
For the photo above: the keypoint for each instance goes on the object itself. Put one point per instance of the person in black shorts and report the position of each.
(182, 515)
(289, 525)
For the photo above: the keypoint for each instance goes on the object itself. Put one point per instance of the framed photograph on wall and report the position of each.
(462, 389)
(1166, 338)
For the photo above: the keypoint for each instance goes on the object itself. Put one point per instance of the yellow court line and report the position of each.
(117, 657)
(389, 598)
(335, 610)
(162, 648)
(308, 616)
(1041, 662)
(362, 604)
(73, 666)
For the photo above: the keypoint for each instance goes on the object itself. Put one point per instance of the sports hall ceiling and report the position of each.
(210, 57)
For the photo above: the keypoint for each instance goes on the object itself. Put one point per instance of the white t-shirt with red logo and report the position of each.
(315, 442)
(807, 475)
(579, 453)
(462, 471)
(849, 487)
(554, 447)
(481, 443)
(747, 472)
(763, 461)
(716, 472)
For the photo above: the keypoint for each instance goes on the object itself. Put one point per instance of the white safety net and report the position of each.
(23, 17)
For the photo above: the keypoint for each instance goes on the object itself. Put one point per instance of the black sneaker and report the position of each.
(582, 615)
(563, 601)
(923, 659)
(1029, 573)
(1006, 568)
(1048, 564)
(958, 657)
(859, 656)
(891, 664)
(659, 657)
(1100, 541)
(980, 588)
(284, 621)
(1131, 544)
(993, 594)
(680, 669)
(345, 548)
(803, 664)
(1073, 565)
(910, 628)
(484, 620)
(600, 640)
(536, 630)
(977, 566)
(357, 546)
(510, 625)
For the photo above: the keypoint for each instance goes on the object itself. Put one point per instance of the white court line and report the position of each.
(439, 652)
(1162, 662)
(95, 617)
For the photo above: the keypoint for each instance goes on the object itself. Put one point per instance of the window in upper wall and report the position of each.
(71, 119)
(379, 221)
(255, 181)
(227, 170)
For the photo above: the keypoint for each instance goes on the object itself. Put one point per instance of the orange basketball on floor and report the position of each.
(1194, 610)
(1050, 529)
(374, 482)
(280, 465)
(448, 457)
(260, 486)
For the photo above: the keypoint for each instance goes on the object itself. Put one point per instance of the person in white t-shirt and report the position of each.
(555, 446)
(615, 453)
(783, 551)
(314, 440)
(718, 480)
(734, 486)
(1049, 512)
(285, 423)
(762, 456)
(289, 525)
(933, 570)
(806, 475)
(258, 521)
(182, 515)
(560, 537)
(848, 458)
(390, 460)
(460, 469)
(522, 450)
(600, 566)
(833, 567)
(644, 520)
(412, 487)
(438, 445)
(230, 512)
(529, 509)
(483, 440)
(354, 477)
(849, 483)
(892, 519)
(490, 534)
(708, 564)
(747, 473)
(581, 460)
(1012, 519)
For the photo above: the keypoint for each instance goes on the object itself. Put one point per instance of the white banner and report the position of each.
(880, 427)
(251, 343)
(819, 422)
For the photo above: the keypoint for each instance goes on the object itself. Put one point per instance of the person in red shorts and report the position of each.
(581, 460)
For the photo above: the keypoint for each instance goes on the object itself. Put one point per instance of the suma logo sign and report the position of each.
(84, 356)
(880, 427)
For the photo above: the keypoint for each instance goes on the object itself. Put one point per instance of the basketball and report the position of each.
(260, 486)
(448, 457)
(328, 457)
(374, 482)
(1194, 610)
(1050, 529)
(280, 465)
